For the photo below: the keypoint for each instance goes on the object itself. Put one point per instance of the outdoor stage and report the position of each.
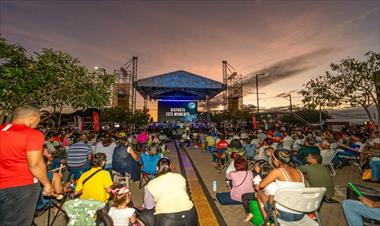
(178, 94)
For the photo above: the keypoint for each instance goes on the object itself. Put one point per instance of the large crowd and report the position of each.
(256, 163)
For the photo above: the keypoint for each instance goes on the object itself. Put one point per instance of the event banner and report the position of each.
(185, 111)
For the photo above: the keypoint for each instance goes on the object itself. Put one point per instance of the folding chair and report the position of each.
(148, 168)
(327, 158)
(46, 204)
(121, 178)
(356, 159)
(145, 178)
(304, 200)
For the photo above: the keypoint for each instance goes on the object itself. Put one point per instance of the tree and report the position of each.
(140, 118)
(116, 114)
(53, 78)
(16, 81)
(349, 82)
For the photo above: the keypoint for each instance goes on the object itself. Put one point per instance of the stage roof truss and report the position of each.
(181, 85)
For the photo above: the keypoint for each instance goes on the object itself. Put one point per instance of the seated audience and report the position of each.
(318, 175)
(262, 169)
(95, 183)
(353, 150)
(287, 141)
(285, 176)
(306, 149)
(354, 210)
(121, 212)
(241, 179)
(266, 143)
(221, 147)
(78, 157)
(250, 149)
(150, 159)
(173, 205)
(374, 163)
(106, 146)
(125, 159)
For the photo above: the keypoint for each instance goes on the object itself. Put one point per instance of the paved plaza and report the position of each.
(331, 214)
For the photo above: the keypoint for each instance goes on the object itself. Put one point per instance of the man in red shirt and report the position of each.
(221, 147)
(21, 167)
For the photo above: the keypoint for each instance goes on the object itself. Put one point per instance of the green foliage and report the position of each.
(123, 115)
(244, 114)
(349, 82)
(16, 81)
(140, 118)
(116, 114)
(53, 78)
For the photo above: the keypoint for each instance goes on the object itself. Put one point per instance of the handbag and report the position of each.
(230, 185)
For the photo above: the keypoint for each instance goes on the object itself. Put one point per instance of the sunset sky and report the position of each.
(291, 41)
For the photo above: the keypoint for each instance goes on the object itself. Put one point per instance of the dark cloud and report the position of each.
(284, 69)
(285, 94)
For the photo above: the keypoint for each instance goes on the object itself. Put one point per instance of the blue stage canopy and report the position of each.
(178, 85)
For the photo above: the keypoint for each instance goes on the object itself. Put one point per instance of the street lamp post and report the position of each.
(100, 69)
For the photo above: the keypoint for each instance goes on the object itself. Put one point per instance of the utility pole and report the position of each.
(257, 94)
(290, 99)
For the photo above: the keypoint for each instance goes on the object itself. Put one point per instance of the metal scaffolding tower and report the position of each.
(233, 95)
(125, 85)
(134, 79)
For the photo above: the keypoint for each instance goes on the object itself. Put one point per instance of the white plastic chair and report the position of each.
(304, 200)
(120, 178)
(327, 157)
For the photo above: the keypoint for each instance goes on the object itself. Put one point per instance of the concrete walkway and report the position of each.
(331, 214)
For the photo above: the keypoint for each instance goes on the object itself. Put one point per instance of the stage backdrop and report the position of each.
(185, 111)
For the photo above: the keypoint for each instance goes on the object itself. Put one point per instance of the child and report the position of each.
(262, 169)
(265, 196)
(121, 213)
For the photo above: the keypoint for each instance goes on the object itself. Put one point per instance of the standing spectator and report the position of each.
(185, 139)
(21, 167)
(78, 156)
